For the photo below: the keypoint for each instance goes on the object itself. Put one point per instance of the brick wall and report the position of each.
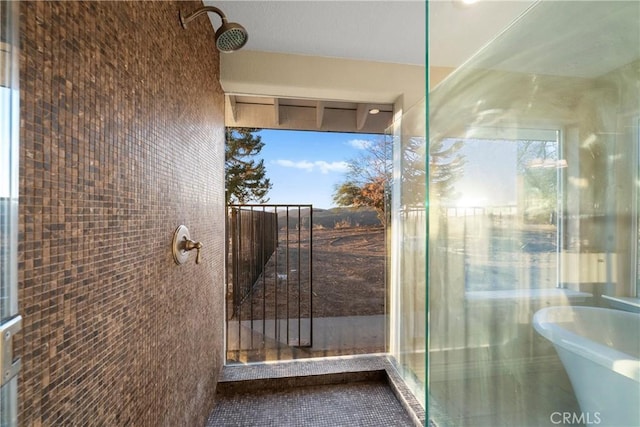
(121, 142)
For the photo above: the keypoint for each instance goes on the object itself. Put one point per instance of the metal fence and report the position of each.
(251, 244)
(269, 279)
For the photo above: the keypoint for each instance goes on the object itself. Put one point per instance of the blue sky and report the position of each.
(304, 167)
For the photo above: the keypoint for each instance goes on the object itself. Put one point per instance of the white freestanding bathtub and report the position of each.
(600, 350)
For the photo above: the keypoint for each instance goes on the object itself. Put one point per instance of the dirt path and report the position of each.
(349, 266)
(348, 276)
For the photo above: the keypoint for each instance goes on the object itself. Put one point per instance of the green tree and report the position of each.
(245, 178)
(367, 179)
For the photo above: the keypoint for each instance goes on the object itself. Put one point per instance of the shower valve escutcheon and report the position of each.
(182, 245)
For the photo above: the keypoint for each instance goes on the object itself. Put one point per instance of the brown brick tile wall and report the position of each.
(121, 142)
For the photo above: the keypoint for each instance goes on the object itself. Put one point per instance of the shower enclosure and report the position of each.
(528, 199)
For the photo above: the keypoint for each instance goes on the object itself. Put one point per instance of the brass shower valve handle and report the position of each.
(181, 245)
(190, 245)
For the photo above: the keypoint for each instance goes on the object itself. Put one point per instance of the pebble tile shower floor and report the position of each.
(355, 404)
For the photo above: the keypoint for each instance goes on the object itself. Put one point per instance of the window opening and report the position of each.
(503, 210)
(306, 263)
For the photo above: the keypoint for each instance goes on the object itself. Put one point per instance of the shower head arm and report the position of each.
(184, 20)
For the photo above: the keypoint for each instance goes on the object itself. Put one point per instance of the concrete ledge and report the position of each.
(273, 384)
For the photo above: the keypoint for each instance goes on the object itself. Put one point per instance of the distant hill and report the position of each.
(334, 217)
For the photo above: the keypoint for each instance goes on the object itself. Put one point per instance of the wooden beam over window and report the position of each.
(319, 114)
(276, 111)
(362, 113)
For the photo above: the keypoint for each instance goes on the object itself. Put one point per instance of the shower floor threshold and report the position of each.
(315, 382)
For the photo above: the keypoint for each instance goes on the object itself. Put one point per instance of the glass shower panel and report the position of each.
(408, 338)
(533, 194)
(636, 137)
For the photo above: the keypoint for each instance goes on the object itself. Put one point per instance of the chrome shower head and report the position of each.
(229, 37)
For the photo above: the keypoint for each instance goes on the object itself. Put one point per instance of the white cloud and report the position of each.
(303, 164)
(326, 167)
(321, 165)
(360, 144)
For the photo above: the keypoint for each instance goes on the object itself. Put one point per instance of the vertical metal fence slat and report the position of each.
(277, 237)
(287, 269)
(239, 309)
(299, 279)
(264, 277)
(311, 276)
(227, 317)
(253, 269)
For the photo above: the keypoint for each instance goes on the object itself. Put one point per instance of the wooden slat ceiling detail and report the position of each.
(306, 114)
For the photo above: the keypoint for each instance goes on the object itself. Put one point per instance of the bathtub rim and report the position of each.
(615, 360)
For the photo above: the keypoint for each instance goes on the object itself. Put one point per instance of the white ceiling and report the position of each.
(364, 30)
(395, 31)
(385, 31)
